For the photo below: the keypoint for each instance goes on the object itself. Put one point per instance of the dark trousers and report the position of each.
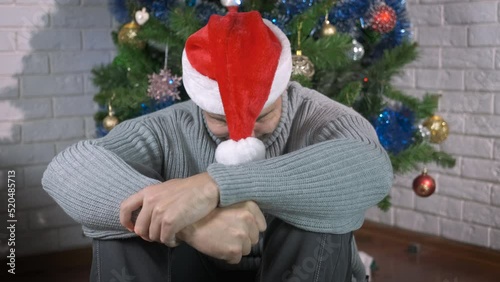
(287, 254)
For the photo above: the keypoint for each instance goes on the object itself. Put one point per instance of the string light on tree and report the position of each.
(424, 185)
(383, 18)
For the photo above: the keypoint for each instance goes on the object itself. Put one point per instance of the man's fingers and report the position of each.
(172, 242)
(254, 235)
(143, 222)
(127, 207)
(167, 235)
(247, 247)
(259, 216)
(155, 231)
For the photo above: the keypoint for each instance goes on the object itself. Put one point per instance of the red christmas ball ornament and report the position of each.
(383, 18)
(424, 185)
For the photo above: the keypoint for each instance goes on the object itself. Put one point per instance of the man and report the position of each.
(250, 154)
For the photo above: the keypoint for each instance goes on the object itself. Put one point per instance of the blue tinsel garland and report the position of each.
(395, 128)
(157, 8)
(346, 15)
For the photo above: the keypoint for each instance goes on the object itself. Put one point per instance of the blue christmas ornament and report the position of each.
(395, 128)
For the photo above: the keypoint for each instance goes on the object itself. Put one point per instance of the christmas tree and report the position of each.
(348, 50)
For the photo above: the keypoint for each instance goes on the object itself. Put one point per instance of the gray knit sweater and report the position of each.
(324, 166)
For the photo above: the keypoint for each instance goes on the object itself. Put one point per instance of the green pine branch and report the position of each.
(327, 52)
(155, 31)
(127, 102)
(349, 94)
(392, 62)
(422, 109)
(409, 159)
(309, 20)
(385, 204)
(184, 23)
(303, 80)
(371, 102)
(108, 77)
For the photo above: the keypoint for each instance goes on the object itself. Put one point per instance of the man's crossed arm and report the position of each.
(187, 209)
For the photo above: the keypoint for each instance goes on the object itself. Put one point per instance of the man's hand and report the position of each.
(169, 207)
(226, 233)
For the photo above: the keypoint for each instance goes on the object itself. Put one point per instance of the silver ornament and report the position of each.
(301, 65)
(230, 3)
(357, 51)
(425, 133)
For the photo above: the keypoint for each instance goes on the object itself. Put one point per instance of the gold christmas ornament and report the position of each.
(110, 121)
(301, 65)
(128, 35)
(327, 29)
(438, 128)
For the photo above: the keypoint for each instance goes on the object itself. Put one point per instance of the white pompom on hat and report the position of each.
(235, 66)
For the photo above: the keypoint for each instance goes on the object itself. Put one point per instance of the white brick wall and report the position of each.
(47, 49)
(460, 59)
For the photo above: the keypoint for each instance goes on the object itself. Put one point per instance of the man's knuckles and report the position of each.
(246, 217)
(142, 232)
(254, 239)
(150, 199)
(233, 254)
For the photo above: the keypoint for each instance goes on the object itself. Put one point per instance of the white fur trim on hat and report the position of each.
(205, 92)
(232, 152)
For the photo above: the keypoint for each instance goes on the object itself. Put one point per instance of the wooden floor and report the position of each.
(438, 260)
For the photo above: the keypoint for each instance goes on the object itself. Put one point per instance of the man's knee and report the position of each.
(305, 255)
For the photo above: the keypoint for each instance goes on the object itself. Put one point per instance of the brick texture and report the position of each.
(459, 59)
(470, 13)
(47, 50)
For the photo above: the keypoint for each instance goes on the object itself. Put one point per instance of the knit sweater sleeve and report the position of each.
(324, 187)
(91, 178)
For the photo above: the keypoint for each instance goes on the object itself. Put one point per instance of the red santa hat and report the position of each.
(235, 66)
